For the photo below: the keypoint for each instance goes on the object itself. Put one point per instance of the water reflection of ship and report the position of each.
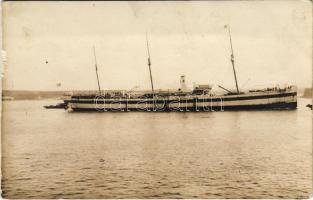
(201, 98)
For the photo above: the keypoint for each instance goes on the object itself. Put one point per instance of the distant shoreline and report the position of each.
(31, 95)
(38, 95)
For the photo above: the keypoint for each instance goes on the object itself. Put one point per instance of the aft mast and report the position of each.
(232, 58)
(94, 52)
(149, 64)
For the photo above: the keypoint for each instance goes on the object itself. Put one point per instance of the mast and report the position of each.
(94, 52)
(232, 58)
(149, 64)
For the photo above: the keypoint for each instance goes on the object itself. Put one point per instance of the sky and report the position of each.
(49, 45)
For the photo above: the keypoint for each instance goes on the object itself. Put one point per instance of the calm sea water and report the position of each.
(57, 154)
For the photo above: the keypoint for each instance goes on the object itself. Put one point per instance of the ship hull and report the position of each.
(194, 103)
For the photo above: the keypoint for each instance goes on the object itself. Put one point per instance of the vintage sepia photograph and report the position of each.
(156, 100)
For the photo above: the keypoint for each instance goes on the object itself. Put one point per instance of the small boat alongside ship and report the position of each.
(58, 106)
(201, 98)
(7, 98)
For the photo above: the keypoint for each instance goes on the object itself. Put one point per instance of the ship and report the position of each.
(200, 99)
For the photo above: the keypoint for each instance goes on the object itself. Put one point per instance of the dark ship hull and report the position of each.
(285, 99)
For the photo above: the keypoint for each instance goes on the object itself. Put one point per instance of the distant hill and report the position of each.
(307, 93)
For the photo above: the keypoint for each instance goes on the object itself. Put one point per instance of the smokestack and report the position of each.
(183, 86)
